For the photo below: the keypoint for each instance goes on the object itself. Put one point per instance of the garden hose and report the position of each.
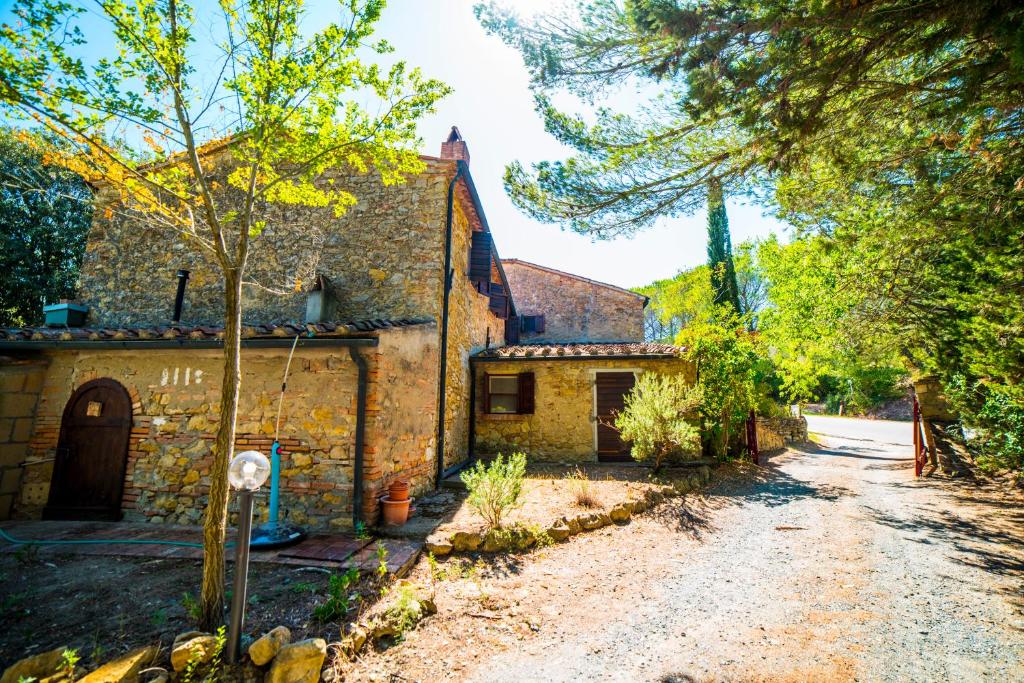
(100, 541)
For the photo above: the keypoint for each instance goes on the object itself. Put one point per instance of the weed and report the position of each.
(581, 490)
(361, 533)
(339, 598)
(303, 587)
(27, 554)
(69, 659)
(406, 610)
(494, 490)
(159, 617)
(214, 670)
(382, 561)
(191, 606)
(27, 679)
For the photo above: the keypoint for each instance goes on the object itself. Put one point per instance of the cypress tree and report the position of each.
(723, 271)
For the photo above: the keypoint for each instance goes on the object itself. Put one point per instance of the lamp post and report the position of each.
(246, 473)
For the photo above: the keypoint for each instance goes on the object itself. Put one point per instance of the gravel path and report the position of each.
(833, 564)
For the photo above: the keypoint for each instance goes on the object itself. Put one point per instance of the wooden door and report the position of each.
(92, 453)
(610, 395)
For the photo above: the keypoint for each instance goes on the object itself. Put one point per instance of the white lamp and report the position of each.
(248, 470)
(246, 473)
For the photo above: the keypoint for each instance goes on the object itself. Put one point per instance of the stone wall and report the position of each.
(20, 384)
(574, 308)
(175, 396)
(934, 405)
(383, 258)
(774, 433)
(562, 427)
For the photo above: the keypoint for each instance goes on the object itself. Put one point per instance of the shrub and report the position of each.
(655, 420)
(580, 489)
(339, 596)
(494, 490)
(992, 423)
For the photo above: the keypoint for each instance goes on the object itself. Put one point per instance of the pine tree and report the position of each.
(720, 264)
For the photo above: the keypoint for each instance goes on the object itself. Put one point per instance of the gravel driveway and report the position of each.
(832, 564)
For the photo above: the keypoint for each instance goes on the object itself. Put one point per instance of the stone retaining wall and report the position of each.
(774, 433)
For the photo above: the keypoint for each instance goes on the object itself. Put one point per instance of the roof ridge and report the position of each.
(576, 277)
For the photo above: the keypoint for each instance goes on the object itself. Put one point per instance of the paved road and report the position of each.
(834, 564)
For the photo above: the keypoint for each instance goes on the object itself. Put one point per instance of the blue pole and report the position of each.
(275, 480)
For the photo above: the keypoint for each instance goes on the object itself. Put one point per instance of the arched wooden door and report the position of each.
(92, 453)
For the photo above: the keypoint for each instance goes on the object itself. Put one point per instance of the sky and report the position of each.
(493, 107)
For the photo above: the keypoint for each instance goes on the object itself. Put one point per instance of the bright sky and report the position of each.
(493, 108)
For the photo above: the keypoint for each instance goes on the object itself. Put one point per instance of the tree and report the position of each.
(656, 418)
(44, 220)
(223, 142)
(720, 264)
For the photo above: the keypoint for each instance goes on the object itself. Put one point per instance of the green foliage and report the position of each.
(301, 587)
(213, 671)
(406, 610)
(733, 376)
(495, 489)
(191, 606)
(720, 263)
(339, 596)
(45, 214)
(657, 419)
(69, 659)
(993, 423)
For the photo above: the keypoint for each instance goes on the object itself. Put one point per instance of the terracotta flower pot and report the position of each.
(399, 490)
(396, 512)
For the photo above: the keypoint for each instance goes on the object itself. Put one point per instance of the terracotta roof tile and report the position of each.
(584, 349)
(327, 329)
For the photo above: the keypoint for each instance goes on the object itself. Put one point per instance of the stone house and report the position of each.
(392, 376)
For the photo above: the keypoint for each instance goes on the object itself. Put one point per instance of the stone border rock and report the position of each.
(521, 537)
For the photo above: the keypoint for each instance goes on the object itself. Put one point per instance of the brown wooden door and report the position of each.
(611, 391)
(92, 453)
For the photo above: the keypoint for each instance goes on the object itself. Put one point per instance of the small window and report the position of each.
(503, 393)
(509, 394)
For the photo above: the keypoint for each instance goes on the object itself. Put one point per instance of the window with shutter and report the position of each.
(526, 391)
(538, 323)
(480, 261)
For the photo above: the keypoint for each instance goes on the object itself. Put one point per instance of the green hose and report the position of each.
(100, 541)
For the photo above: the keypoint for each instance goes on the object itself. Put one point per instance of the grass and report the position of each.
(582, 492)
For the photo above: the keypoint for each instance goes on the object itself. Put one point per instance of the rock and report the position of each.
(124, 669)
(37, 666)
(512, 538)
(298, 662)
(639, 505)
(428, 606)
(439, 545)
(356, 639)
(192, 645)
(681, 486)
(596, 521)
(466, 541)
(268, 645)
(574, 525)
(559, 531)
(621, 512)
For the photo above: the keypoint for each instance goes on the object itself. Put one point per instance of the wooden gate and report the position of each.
(92, 453)
(609, 397)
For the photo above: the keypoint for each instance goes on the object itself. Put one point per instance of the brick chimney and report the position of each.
(455, 147)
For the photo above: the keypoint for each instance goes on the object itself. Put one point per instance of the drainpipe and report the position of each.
(472, 412)
(442, 374)
(357, 479)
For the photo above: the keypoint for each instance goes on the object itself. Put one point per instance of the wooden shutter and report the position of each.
(480, 260)
(512, 330)
(538, 323)
(499, 300)
(526, 391)
(487, 393)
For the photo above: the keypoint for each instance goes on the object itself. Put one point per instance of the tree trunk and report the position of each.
(215, 523)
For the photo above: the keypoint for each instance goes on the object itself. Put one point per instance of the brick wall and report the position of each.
(575, 309)
(20, 384)
(561, 427)
(175, 398)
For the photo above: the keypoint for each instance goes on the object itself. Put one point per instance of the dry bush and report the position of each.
(581, 489)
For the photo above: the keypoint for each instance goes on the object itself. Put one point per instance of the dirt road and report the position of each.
(832, 564)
